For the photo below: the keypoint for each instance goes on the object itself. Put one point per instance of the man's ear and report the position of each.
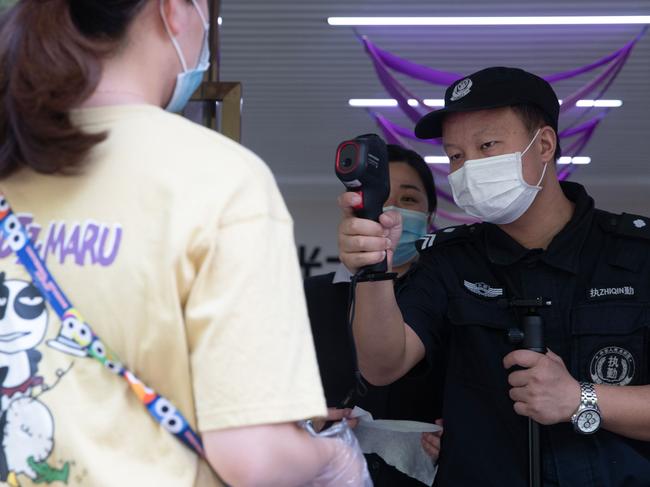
(548, 140)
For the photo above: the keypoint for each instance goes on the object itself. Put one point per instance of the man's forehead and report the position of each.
(498, 121)
(480, 116)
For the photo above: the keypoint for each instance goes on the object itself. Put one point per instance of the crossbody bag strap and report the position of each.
(77, 338)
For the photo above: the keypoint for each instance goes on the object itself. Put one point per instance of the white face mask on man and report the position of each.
(493, 188)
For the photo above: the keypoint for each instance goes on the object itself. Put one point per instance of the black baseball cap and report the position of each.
(494, 87)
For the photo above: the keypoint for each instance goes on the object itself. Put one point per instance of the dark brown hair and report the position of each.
(50, 61)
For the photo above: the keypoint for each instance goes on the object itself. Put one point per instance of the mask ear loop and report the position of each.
(204, 55)
(174, 41)
(531, 142)
(206, 24)
(543, 174)
(206, 29)
(545, 164)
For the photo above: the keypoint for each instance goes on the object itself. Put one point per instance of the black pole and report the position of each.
(534, 455)
(533, 327)
(531, 336)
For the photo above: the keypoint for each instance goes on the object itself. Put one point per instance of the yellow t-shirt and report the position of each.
(176, 246)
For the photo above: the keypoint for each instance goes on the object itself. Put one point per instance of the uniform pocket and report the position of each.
(464, 311)
(479, 340)
(610, 343)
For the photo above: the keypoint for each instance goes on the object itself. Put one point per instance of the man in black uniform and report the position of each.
(418, 397)
(540, 238)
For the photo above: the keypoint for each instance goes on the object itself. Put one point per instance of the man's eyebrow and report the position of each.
(484, 131)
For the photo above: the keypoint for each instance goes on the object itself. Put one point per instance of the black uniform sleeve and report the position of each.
(423, 302)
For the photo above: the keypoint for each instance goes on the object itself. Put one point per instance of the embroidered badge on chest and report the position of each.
(483, 290)
(610, 292)
(612, 365)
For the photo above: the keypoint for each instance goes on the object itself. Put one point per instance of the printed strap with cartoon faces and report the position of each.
(75, 336)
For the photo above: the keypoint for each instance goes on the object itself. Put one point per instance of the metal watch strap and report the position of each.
(588, 394)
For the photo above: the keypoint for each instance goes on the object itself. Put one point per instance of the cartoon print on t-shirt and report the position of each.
(26, 424)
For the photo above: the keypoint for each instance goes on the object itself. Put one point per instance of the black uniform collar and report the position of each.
(565, 247)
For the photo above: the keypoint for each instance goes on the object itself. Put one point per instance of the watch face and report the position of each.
(588, 421)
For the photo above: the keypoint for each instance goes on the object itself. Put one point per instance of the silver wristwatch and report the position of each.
(586, 419)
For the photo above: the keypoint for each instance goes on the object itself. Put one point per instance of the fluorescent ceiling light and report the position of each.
(429, 102)
(537, 20)
(220, 20)
(390, 102)
(372, 102)
(574, 160)
(599, 103)
(436, 159)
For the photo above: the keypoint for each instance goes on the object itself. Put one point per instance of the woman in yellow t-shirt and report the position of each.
(173, 242)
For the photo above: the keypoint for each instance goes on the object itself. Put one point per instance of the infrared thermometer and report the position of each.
(362, 166)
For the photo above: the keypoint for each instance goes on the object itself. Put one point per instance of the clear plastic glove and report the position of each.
(334, 415)
(347, 467)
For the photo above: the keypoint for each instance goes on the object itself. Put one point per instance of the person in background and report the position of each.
(417, 397)
(162, 233)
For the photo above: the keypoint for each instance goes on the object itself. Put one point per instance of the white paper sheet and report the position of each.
(397, 442)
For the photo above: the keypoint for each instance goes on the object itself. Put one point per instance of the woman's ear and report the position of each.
(548, 140)
(175, 14)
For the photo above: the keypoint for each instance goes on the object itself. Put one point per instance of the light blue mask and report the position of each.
(189, 80)
(414, 225)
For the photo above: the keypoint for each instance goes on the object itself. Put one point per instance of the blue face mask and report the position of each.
(189, 80)
(414, 225)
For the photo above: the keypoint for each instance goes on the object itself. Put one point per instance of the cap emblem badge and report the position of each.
(461, 89)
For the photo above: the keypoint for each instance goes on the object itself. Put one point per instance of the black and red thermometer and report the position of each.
(362, 166)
